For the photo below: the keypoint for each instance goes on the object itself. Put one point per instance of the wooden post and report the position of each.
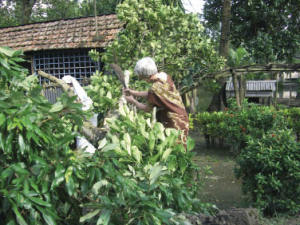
(236, 88)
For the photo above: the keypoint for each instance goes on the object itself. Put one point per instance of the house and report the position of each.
(61, 47)
(259, 91)
(289, 76)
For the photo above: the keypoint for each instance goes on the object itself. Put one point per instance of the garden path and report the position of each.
(220, 186)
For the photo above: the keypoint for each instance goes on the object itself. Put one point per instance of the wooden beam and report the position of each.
(241, 71)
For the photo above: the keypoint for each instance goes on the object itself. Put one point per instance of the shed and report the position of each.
(256, 90)
(61, 47)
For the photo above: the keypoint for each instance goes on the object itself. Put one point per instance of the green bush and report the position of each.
(141, 175)
(39, 174)
(270, 170)
(251, 120)
(236, 125)
(211, 125)
(292, 116)
(146, 178)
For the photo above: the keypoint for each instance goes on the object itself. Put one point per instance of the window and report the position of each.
(59, 63)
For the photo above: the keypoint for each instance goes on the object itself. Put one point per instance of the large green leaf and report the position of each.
(39, 201)
(19, 217)
(155, 172)
(7, 51)
(21, 143)
(2, 119)
(70, 186)
(89, 215)
(137, 154)
(105, 217)
(58, 106)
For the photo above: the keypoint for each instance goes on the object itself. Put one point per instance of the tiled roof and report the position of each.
(62, 34)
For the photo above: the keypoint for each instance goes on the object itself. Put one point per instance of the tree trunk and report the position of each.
(236, 89)
(25, 9)
(242, 88)
(225, 29)
(219, 99)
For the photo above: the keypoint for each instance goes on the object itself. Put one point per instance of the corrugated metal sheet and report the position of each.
(257, 94)
(52, 93)
(255, 88)
(255, 85)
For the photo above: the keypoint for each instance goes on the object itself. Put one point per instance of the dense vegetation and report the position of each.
(267, 29)
(263, 140)
(20, 12)
(140, 175)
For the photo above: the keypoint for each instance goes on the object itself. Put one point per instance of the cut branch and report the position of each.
(60, 82)
(92, 134)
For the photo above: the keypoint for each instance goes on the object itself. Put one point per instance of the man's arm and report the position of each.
(136, 93)
(138, 104)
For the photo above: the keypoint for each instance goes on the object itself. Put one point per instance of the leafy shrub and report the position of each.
(237, 125)
(251, 120)
(141, 175)
(105, 91)
(146, 177)
(292, 116)
(270, 170)
(39, 175)
(211, 125)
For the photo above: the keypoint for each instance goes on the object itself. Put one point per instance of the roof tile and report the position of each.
(62, 34)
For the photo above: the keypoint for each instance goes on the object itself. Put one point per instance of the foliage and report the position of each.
(18, 12)
(270, 170)
(237, 125)
(39, 174)
(238, 57)
(269, 157)
(145, 177)
(292, 116)
(251, 120)
(141, 174)
(56, 9)
(103, 7)
(6, 15)
(105, 91)
(210, 124)
(175, 40)
(267, 29)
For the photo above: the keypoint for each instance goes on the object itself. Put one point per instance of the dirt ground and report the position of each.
(221, 187)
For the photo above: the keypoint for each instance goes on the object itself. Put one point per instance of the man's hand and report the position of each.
(126, 91)
(129, 98)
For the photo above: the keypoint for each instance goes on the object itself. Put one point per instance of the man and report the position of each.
(162, 94)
